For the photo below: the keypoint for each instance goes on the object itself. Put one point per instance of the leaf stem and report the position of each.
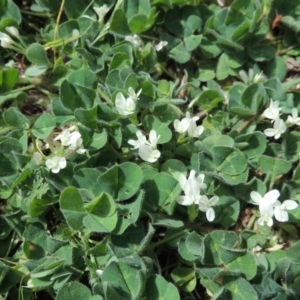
(247, 122)
(169, 238)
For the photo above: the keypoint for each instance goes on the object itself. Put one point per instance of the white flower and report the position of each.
(139, 142)
(147, 149)
(181, 126)
(259, 77)
(206, 204)
(194, 130)
(266, 217)
(188, 124)
(191, 187)
(280, 209)
(13, 31)
(77, 145)
(294, 119)
(56, 163)
(135, 40)
(99, 272)
(101, 12)
(279, 128)
(160, 45)
(5, 40)
(147, 153)
(134, 96)
(273, 111)
(124, 106)
(265, 204)
(68, 138)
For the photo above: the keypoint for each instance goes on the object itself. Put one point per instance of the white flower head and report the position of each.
(194, 130)
(280, 209)
(259, 77)
(124, 106)
(147, 153)
(188, 124)
(278, 129)
(206, 204)
(56, 163)
(13, 31)
(78, 146)
(160, 45)
(139, 142)
(5, 40)
(266, 204)
(68, 138)
(273, 111)
(101, 12)
(134, 96)
(99, 272)
(294, 119)
(135, 40)
(147, 149)
(191, 187)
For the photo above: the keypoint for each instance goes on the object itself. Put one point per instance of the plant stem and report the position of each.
(169, 238)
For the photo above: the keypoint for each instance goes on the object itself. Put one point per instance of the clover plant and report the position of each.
(149, 149)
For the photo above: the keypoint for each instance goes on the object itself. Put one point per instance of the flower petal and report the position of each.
(290, 204)
(184, 200)
(210, 214)
(256, 197)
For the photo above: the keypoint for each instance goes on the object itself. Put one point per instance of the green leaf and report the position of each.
(229, 160)
(37, 54)
(194, 244)
(212, 244)
(119, 22)
(125, 277)
(252, 144)
(43, 126)
(72, 207)
(273, 166)
(13, 117)
(73, 290)
(158, 288)
(101, 214)
(122, 181)
(8, 79)
(241, 289)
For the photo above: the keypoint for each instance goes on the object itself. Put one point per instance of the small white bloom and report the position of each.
(294, 119)
(265, 202)
(181, 126)
(134, 96)
(99, 272)
(101, 12)
(188, 124)
(68, 138)
(160, 45)
(5, 40)
(259, 77)
(56, 163)
(124, 106)
(135, 40)
(139, 142)
(13, 31)
(147, 153)
(78, 145)
(191, 187)
(266, 217)
(147, 149)
(194, 130)
(278, 129)
(206, 204)
(273, 111)
(280, 209)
